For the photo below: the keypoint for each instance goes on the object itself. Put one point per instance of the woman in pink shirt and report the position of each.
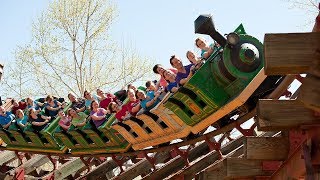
(65, 121)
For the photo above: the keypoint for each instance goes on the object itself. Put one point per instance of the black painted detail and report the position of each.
(224, 71)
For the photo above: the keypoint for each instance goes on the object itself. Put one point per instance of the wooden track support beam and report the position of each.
(234, 168)
(69, 168)
(101, 170)
(35, 162)
(239, 167)
(6, 156)
(266, 148)
(291, 53)
(309, 94)
(283, 114)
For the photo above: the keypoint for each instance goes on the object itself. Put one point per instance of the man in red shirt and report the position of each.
(18, 105)
(105, 99)
(126, 110)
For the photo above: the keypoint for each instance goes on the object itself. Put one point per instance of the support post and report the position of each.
(214, 146)
(151, 160)
(119, 162)
(184, 155)
(87, 162)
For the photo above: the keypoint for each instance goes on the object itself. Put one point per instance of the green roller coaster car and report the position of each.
(218, 80)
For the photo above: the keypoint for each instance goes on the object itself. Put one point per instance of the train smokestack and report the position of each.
(204, 25)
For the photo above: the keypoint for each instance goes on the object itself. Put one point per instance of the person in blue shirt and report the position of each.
(206, 50)
(170, 77)
(22, 119)
(149, 100)
(6, 117)
(33, 104)
(88, 100)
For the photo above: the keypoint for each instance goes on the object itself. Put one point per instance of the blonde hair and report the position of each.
(19, 111)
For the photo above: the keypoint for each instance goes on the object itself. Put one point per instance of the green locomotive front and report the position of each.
(225, 74)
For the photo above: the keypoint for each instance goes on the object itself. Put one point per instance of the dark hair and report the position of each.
(98, 89)
(69, 95)
(49, 97)
(13, 100)
(92, 103)
(155, 68)
(171, 58)
(84, 93)
(148, 84)
(129, 86)
(197, 41)
(138, 90)
(110, 107)
(29, 112)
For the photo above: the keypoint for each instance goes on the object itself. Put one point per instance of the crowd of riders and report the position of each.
(96, 108)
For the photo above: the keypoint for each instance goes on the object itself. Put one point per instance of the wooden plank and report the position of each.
(266, 148)
(6, 156)
(290, 53)
(233, 168)
(149, 122)
(217, 172)
(141, 132)
(310, 92)
(68, 168)
(283, 114)
(35, 162)
(128, 136)
(241, 168)
(100, 171)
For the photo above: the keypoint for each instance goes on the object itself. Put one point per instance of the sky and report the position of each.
(159, 29)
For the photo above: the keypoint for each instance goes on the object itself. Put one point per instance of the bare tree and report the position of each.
(72, 51)
(310, 7)
(16, 77)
